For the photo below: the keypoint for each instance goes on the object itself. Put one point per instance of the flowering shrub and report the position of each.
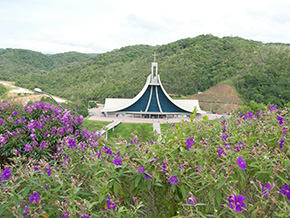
(185, 174)
(35, 130)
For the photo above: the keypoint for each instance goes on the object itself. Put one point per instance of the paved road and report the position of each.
(19, 90)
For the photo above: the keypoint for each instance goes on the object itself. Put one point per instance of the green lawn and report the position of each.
(94, 124)
(144, 131)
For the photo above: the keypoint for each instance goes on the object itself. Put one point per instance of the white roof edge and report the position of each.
(135, 99)
(188, 102)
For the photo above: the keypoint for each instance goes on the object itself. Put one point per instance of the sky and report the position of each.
(97, 26)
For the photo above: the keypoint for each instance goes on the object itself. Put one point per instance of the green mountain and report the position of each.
(15, 63)
(260, 72)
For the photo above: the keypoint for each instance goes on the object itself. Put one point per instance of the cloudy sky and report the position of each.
(96, 26)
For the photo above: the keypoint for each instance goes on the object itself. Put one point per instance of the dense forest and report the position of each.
(20, 63)
(260, 72)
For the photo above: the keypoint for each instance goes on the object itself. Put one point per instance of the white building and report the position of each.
(151, 102)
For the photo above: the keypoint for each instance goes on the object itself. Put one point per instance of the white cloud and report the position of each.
(52, 26)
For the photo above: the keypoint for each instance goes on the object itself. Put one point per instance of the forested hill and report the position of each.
(260, 72)
(15, 63)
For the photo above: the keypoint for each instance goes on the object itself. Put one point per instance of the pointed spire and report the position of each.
(154, 56)
(154, 67)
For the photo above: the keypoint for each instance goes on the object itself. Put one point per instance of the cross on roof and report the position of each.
(154, 56)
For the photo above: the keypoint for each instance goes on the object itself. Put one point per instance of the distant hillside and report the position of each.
(93, 54)
(221, 98)
(64, 59)
(259, 72)
(16, 63)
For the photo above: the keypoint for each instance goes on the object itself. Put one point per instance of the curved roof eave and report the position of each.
(171, 100)
(135, 99)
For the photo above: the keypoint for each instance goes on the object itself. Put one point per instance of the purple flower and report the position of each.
(141, 169)
(285, 191)
(181, 167)
(110, 205)
(32, 136)
(284, 130)
(236, 202)
(224, 129)
(14, 113)
(65, 214)
(173, 180)
(107, 150)
(2, 140)
(134, 200)
(192, 200)
(225, 137)
(43, 145)
(34, 198)
(6, 173)
(240, 113)
(27, 147)
(265, 189)
(280, 120)
(259, 113)
(189, 143)
(242, 163)
(224, 122)
(247, 115)
(273, 107)
(85, 216)
(147, 175)
(72, 143)
(221, 151)
(48, 170)
(281, 143)
(198, 168)
(53, 130)
(117, 162)
(47, 134)
(164, 166)
(25, 211)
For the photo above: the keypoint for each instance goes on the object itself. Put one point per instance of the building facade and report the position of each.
(151, 102)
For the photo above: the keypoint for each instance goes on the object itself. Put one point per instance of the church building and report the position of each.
(151, 102)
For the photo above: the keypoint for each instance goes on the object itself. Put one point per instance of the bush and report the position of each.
(35, 130)
(234, 168)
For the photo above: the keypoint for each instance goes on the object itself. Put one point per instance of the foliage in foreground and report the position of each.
(234, 168)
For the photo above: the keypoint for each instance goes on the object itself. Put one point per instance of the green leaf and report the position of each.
(218, 198)
(201, 214)
(282, 179)
(25, 191)
(222, 182)
(101, 198)
(183, 191)
(137, 180)
(16, 201)
(148, 183)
